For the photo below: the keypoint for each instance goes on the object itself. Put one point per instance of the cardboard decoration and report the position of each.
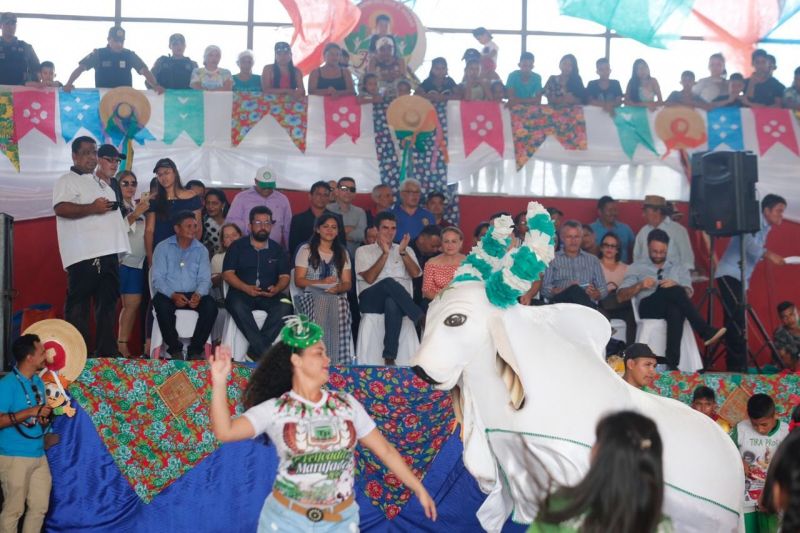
(64, 347)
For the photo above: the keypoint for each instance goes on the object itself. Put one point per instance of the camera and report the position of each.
(114, 206)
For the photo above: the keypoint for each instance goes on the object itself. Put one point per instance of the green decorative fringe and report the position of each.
(483, 267)
(543, 223)
(493, 247)
(500, 294)
(465, 277)
(527, 265)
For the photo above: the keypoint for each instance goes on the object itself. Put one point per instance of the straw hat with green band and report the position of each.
(300, 332)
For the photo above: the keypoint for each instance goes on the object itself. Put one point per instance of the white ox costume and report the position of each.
(532, 383)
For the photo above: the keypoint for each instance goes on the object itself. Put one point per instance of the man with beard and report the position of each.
(663, 289)
(181, 276)
(256, 269)
(24, 472)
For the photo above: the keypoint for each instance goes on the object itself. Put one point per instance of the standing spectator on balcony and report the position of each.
(112, 65)
(715, 85)
(282, 77)
(245, 80)
(565, 88)
(761, 89)
(524, 86)
(331, 79)
(474, 87)
(791, 96)
(643, 89)
(604, 92)
(210, 77)
(438, 86)
(18, 61)
(174, 71)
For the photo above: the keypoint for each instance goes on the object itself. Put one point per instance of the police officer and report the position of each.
(18, 61)
(174, 71)
(112, 65)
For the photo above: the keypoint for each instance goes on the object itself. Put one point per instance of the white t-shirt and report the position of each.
(757, 450)
(367, 255)
(92, 236)
(315, 443)
(303, 253)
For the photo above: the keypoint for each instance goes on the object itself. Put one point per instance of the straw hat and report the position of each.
(64, 346)
(680, 127)
(411, 113)
(124, 102)
(654, 200)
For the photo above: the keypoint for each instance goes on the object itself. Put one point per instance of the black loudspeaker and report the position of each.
(696, 198)
(730, 206)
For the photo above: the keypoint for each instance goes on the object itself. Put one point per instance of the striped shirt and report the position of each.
(565, 271)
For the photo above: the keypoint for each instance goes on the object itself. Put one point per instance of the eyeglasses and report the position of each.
(261, 223)
(128, 183)
(112, 160)
(607, 245)
(346, 188)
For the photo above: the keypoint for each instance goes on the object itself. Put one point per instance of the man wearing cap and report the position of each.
(112, 65)
(355, 218)
(656, 215)
(640, 365)
(662, 288)
(263, 192)
(108, 159)
(18, 61)
(91, 235)
(24, 472)
(302, 225)
(181, 276)
(174, 71)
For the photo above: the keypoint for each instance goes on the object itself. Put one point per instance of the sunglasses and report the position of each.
(346, 188)
(128, 183)
(113, 160)
(607, 245)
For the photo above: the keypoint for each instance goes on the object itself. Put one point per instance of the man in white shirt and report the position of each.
(91, 236)
(385, 270)
(655, 213)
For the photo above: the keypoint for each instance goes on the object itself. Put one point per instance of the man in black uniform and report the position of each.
(112, 65)
(174, 71)
(18, 61)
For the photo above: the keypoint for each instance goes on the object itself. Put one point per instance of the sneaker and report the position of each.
(717, 335)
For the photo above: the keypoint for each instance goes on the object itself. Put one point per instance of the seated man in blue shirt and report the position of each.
(24, 473)
(663, 290)
(181, 280)
(256, 269)
(607, 221)
(411, 218)
(574, 276)
(729, 277)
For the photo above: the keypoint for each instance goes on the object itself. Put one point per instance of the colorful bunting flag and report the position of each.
(35, 110)
(184, 111)
(633, 129)
(481, 122)
(532, 124)
(289, 111)
(8, 142)
(342, 117)
(80, 109)
(774, 126)
(725, 127)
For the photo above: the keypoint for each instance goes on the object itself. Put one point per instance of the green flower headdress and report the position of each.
(300, 331)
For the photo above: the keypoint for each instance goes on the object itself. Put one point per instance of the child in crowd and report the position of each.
(757, 438)
(473, 87)
(488, 53)
(403, 87)
(438, 86)
(686, 96)
(604, 92)
(734, 98)
(643, 90)
(705, 400)
(524, 86)
(791, 96)
(47, 72)
(368, 90)
(498, 91)
(782, 487)
(787, 336)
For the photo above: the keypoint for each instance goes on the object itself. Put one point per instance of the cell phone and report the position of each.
(114, 206)
(145, 196)
(584, 285)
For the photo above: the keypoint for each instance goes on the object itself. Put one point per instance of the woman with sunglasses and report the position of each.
(282, 77)
(614, 270)
(131, 271)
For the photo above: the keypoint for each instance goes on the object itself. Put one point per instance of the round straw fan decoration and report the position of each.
(413, 120)
(64, 347)
(680, 128)
(124, 112)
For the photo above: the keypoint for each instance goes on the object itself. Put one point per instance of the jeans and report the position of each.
(730, 289)
(241, 306)
(165, 314)
(573, 294)
(275, 518)
(390, 299)
(96, 279)
(673, 305)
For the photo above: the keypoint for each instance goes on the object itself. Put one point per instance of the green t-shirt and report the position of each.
(574, 525)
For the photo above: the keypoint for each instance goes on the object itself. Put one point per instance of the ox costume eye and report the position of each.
(454, 320)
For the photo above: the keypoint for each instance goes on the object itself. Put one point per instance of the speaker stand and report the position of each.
(711, 294)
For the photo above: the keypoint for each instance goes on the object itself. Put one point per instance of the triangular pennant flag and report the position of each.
(35, 110)
(569, 126)
(80, 109)
(530, 125)
(774, 126)
(184, 111)
(291, 112)
(342, 117)
(8, 142)
(481, 122)
(725, 127)
(633, 129)
(248, 109)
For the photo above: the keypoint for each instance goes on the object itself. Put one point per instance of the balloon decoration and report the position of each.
(413, 120)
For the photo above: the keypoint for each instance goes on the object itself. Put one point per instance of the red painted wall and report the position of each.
(38, 276)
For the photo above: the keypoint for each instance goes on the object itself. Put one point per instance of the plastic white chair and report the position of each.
(185, 322)
(618, 329)
(371, 329)
(653, 332)
(233, 337)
